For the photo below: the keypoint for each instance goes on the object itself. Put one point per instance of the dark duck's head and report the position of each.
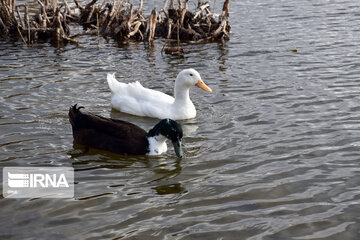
(166, 129)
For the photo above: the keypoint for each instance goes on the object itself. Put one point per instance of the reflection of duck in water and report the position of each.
(134, 99)
(123, 137)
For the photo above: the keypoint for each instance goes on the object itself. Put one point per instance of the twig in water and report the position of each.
(21, 35)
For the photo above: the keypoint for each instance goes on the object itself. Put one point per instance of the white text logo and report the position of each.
(34, 180)
(47, 182)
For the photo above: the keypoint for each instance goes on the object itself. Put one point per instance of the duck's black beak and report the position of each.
(177, 148)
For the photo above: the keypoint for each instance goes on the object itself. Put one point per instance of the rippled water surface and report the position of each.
(272, 154)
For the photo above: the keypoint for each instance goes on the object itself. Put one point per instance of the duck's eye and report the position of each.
(191, 74)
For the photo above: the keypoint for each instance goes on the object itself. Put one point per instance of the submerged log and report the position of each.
(118, 20)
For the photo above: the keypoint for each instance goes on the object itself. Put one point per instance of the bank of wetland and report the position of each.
(53, 21)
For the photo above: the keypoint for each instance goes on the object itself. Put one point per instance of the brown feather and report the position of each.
(107, 134)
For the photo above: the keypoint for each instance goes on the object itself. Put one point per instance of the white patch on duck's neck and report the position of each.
(157, 145)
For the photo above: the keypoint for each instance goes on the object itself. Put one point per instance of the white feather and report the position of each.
(134, 99)
(157, 145)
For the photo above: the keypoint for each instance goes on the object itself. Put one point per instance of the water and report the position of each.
(272, 154)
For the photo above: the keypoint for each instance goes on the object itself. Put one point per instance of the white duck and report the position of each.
(134, 99)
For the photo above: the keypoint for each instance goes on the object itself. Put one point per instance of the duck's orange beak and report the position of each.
(203, 86)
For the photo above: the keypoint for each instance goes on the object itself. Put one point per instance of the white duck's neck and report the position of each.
(157, 145)
(181, 93)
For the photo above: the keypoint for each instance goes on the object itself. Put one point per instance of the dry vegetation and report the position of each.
(118, 19)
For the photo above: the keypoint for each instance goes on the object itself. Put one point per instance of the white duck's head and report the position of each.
(188, 78)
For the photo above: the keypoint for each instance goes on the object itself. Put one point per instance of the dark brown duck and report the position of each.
(123, 137)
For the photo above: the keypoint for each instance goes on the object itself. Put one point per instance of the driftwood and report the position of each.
(51, 22)
(119, 20)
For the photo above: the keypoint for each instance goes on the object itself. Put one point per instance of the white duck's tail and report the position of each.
(114, 85)
(111, 81)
